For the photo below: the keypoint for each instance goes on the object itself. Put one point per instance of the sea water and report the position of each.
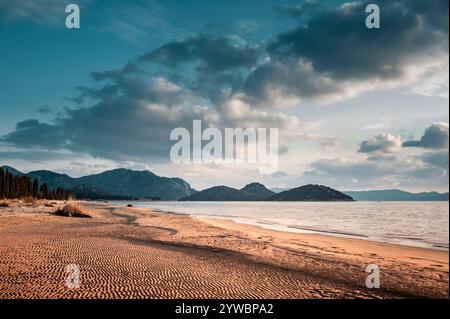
(422, 224)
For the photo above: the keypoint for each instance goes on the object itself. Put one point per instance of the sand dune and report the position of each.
(136, 253)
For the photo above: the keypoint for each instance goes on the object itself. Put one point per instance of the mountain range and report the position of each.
(114, 184)
(128, 184)
(258, 192)
(396, 195)
(251, 192)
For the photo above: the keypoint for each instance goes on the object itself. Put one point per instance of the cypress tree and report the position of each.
(21, 186)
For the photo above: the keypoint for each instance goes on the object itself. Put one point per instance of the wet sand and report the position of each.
(136, 253)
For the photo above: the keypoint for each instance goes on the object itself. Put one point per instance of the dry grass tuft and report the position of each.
(71, 210)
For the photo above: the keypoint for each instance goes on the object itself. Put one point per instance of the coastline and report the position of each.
(334, 247)
(320, 232)
(363, 228)
(133, 252)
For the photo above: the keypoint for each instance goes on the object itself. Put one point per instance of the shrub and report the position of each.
(71, 210)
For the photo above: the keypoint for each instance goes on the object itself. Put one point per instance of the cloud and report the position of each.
(279, 84)
(337, 43)
(139, 22)
(44, 109)
(330, 143)
(342, 168)
(329, 56)
(206, 64)
(128, 112)
(408, 173)
(41, 156)
(298, 11)
(435, 137)
(433, 82)
(131, 82)
(384, 143)
(115, 74)
(380, 124)
(383, 169)
(32, 133)
(214, 54)
(131, 115)
(439, 159)
(130, 118)
(236, 112)
(332, 55)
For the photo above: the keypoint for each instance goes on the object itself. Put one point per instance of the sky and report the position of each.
(356, 108)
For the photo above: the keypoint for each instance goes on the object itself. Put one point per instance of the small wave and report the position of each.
(337, 232)
(444, 246)
(268, 222)
(226, 216)
(157, 210)
(406, 237)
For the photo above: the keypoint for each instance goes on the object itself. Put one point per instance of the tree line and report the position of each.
(21, 186)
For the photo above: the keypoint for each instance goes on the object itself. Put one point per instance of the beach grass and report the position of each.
(71, 210)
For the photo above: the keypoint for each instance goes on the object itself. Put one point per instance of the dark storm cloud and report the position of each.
(278, 78)
(130, 120)
(206, 64)
(130, 117)
(215, 54)
(127, 82)
(341, 52)
(338, 43)
(129, 68)
(32, 133)
(331, 54)
(435, 136)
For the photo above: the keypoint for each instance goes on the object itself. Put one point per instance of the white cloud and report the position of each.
(384, 143)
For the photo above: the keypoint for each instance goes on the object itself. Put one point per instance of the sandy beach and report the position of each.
(126, 252)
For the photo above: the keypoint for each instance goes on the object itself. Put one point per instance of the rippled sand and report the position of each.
(136, 253)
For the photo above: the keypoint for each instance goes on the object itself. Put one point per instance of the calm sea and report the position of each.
(423, 224)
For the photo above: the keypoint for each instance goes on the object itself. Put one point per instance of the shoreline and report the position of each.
(326, 233)
(401, 241)
(413, 252)
(134, 252)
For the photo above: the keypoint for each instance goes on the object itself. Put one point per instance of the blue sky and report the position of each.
(309, 68)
